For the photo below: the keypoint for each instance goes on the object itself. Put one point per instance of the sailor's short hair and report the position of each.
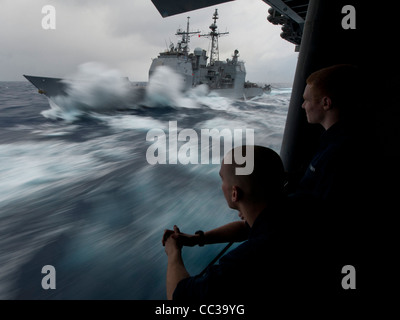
(341, 83)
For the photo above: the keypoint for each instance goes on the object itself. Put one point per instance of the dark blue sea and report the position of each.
(78, 193)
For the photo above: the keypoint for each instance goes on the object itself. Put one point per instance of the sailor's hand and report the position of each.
(182, 239)
(171, 246)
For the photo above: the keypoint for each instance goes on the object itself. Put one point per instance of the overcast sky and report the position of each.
(126, 34)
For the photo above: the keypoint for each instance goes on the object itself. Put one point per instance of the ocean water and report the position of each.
(77, 191)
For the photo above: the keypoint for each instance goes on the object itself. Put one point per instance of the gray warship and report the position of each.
(226, 78)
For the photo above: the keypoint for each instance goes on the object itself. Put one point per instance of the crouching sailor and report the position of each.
(243, 272)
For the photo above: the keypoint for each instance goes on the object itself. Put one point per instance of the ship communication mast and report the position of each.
(183, 45)
(214, 35)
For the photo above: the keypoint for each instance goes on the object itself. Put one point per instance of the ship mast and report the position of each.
(214, 35)
(184, 43)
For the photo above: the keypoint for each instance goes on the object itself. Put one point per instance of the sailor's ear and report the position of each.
(236, 193)
(326, 103)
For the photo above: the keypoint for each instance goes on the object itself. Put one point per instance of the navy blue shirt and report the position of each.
(329, 201)
(328, 176)
(240, 274)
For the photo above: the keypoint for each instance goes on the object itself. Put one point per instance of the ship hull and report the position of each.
(53, 87)
(246, 93)
(50, 87)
